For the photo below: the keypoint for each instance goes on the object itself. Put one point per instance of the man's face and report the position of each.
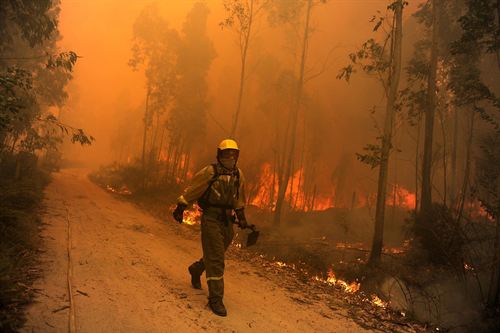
(228, 158)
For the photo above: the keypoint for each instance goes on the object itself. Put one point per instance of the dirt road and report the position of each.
(129, 274)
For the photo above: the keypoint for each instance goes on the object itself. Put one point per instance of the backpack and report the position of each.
(203, 201)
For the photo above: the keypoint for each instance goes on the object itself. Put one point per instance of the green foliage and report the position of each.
(32, 20)
(372, 156)
(480, 34)
(371, 58)
(65, 60)
(481, 27)
(29, 87)
(15, 91)
(488, 175)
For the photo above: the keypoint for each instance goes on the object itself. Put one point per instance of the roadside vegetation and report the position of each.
(33, 75)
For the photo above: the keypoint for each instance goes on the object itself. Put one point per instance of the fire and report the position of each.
(477, 210)
(192, 216)
(362, 247)
(267, 191)
(401, 197)
(394, 250)
(350, 288)
(378, 302)
(332, 280)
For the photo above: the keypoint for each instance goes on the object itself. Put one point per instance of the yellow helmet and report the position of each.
(228, 144)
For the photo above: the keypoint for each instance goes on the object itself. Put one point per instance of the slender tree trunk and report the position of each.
(426, 195)
(170, 161)
(496, 38)
(454, 175)
(244, 52)
(417, 162)
(273, 186)
(465, 183)
(186, 165)
(313, 200)
(445, 162)
(494, 288)
(301, 167)
(294, 118)
(292, 180)
(394, 76)
(144, 139)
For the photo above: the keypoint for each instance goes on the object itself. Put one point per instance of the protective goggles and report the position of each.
(229, 153)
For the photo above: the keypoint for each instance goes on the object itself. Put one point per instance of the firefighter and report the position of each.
(219, 192)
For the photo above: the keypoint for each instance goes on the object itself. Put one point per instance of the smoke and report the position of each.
(107, 97)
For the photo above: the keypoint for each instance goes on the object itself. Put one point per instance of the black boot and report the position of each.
(195, 276)
(217, 307)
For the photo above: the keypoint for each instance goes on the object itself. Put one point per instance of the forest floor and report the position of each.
(127, 272)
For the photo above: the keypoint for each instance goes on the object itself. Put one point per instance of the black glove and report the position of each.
(179, 212)
(242, 221)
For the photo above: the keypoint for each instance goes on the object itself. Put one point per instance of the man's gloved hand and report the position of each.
(242, 221)
(178, 212)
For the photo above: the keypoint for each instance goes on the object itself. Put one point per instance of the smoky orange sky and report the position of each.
(105, 90)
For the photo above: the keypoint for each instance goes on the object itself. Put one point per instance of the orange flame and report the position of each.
(401, 197)
(265, 196)
(192, 216)
(332, 280)
(378, 302)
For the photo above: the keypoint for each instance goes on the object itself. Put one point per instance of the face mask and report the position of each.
(228, 163)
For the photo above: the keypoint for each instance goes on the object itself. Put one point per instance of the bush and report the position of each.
(439, 236)
(19, 202)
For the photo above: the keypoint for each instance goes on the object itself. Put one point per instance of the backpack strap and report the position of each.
(204, 197)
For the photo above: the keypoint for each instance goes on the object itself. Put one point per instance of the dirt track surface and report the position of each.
(129, 274)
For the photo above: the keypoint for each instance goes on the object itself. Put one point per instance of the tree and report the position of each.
(480, 39)
(187, 120)
(241, 15)
(291, 132)
(33, 76)
(426, 194)
(374, 59)
(155, 46)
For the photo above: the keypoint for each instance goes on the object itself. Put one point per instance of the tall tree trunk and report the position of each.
(454, 175)
(273, 186)
(417, 162)
(294, 118)
(494, 288)
(426, 195)
(445, 162)
(244, 51)
(497, 35)
(468, 157)
(394, 76)
(144, 139)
